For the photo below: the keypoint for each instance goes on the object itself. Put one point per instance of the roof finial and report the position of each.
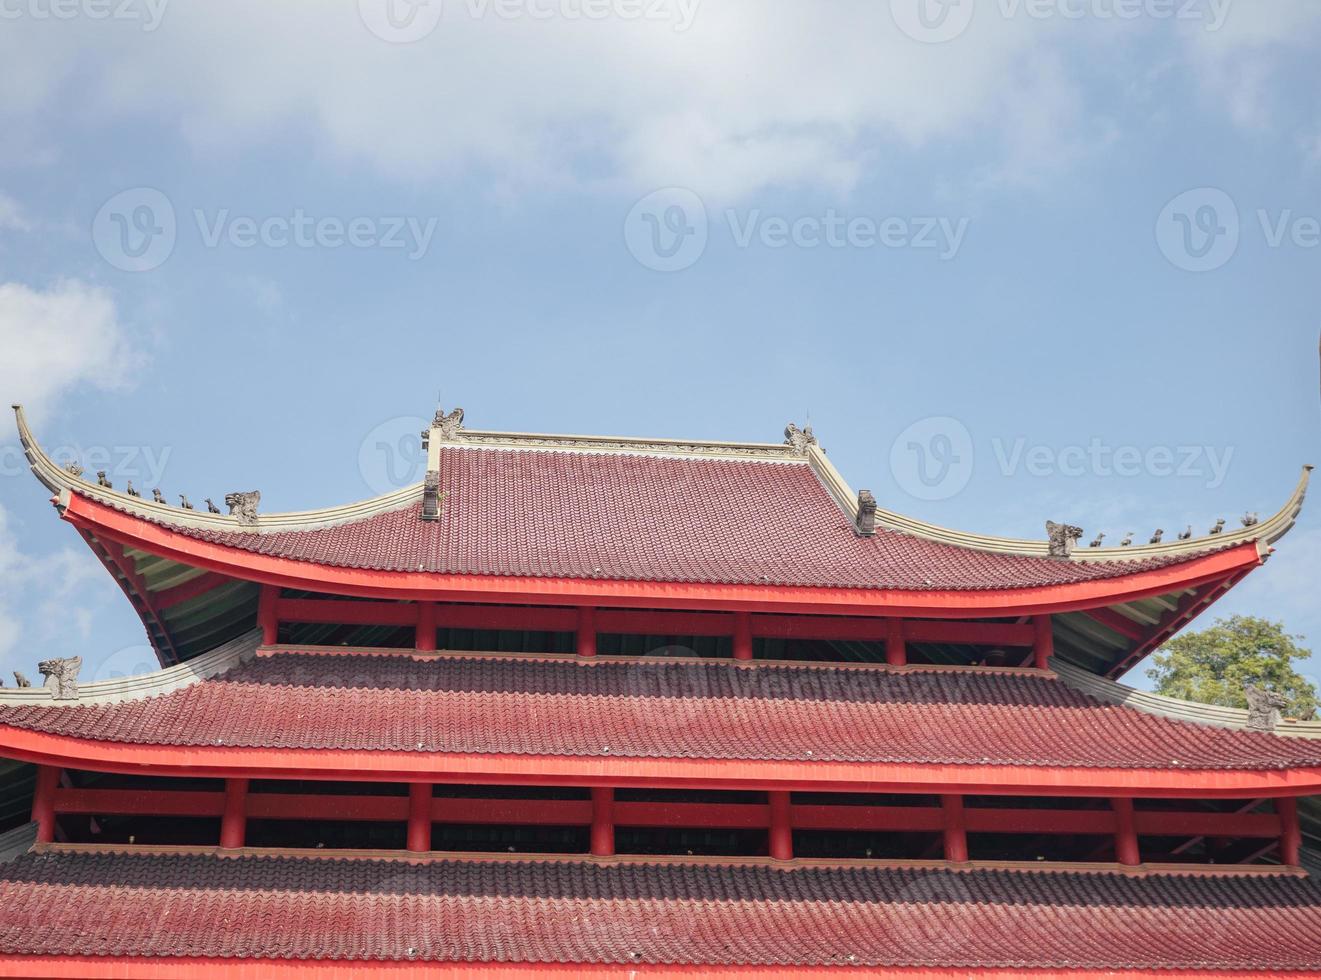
(62, 677)
(1155, 538)
(448, 425)
(865, 523)
(1250, 519)
(1263, 708)
(1219, 527)
(801, 439)
(1186, 534)
(1062, 538)
(1096, 541)
(157, 496)
(244, 506)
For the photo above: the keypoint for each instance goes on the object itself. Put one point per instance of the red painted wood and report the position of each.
(896, 649)
(1120, 624)
(234, 821)
(1291, 838)
(806, 775)
(742, 816)
(1126, 835)
(586, 631)
(108, 523)
(268, 614)
(665, 622)
(781, 829)
(742, 636)
(348, 612)
(1043, 642)
(43, 803)
(603, 821)
(194, 587)
(424, 637)
(419, 817)
(956, 834)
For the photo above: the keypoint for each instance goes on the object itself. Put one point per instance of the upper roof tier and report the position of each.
(596, 508)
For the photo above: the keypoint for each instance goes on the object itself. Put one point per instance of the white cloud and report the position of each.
(59, 338)
(756, 93)
(11, 215)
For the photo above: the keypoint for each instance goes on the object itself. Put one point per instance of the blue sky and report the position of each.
(245, 245)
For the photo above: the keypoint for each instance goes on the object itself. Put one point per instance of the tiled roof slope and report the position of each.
(662, 709)
(570, 911)
(535, 513)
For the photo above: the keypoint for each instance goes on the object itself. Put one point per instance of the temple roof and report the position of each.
(61, 903)
(584, 520)
(605, 708)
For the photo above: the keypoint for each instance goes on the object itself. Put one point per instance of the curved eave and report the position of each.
(58, 480)
(1265, 533)
(723, 774)
(110, 523)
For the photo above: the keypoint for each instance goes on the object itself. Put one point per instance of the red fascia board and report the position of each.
(199, 968)
(805, 775)
(104, 521)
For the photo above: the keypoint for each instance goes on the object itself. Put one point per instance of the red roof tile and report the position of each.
(573, 911)
(642, 518)
(694, 710)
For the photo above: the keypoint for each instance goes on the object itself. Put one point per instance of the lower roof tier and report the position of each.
(605, 709)
(61, 903)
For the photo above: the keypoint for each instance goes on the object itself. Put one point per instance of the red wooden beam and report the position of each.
(1126, 836)
(43, 803)
(194, 587)
(956, 832)
(603, 821)
(1043, 642)
(419, 817)
(1118, 623)
(781, 829)
(347, 611)
(1291, 838)
(234, 820)
(586, 632)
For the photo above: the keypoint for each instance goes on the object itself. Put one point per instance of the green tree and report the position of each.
(1214, 665)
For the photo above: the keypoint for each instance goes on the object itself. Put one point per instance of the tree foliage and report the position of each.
(1214, 665)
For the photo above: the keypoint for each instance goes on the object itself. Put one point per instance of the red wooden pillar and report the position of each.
(956, 833)
(233, 825)
(782, 832)
(1043, 645)
(424, 638)
(1291, 837)
(1126, 835)
(268, 614)
(742, 636)
(603, 821)
(419, 817)
(896, 652)
(586, 631)
(43, 803)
